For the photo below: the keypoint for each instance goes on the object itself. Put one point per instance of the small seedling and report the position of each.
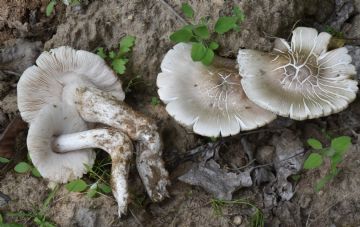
(257, 218)
(199, 34)
(155, 101)
(98, 173)
(118, 58)
(50, 7)
(335, 153)
(25, 167)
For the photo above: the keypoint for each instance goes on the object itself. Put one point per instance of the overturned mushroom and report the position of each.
(76, 78)
(56, 155)
(210, 99)
(303, 81)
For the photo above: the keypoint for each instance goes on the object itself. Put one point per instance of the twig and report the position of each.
(174, 12)
(308, 217)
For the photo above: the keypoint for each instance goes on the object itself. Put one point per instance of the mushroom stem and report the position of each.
(97, 106)
(114, 142)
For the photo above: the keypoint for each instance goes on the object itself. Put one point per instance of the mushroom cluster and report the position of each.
(62, 97)
(301, 81)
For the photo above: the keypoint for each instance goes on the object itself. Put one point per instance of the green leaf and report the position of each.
(35, 172)
(225, 24)
(76, 186)
(112, 55)
(198, 51)
(182, 35)
(22, 167)
(126, 43)
(213, 45)
(315, 144)
(4, 160)
(11, 225)
(341, 144)
(50, 7)
(321, 183)
(313, 161)
(209, 57)
(202, 31)
(119, 65)
(155, 101)
(105, 188)
(1, 219)
(92, 190)
(100, 51)
(335, 160)
(187, 10)
(329, 152)
(296, 177)
(239, 14)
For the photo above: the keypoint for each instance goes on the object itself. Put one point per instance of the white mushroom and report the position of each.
(59, 77)
(210, 99)
(49, 148)
(303, 81)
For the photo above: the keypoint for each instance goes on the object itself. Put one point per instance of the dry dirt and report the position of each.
(101, 24)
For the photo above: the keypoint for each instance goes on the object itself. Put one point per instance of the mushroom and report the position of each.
(49, 148)
(303, 81)
(210, 99)
(68, 77)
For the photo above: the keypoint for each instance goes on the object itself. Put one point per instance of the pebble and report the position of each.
(237, 220)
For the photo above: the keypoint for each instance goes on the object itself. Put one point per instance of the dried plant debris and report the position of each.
(288, 161)
(16, 56)
(211, 177)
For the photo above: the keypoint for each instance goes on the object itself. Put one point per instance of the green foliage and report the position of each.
(332, 31)
(199, 33)
(50, 7)
(25, 167)
(4, 160)
(76, 186)
(335, 153)
(256, 219)
(155, 101)
(118, 59)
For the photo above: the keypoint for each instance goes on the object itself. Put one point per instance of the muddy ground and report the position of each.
(93, 24)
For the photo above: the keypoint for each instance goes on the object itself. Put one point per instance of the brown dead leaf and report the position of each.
(8, 138)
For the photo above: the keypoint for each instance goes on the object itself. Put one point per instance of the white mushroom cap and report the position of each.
(209, 98)
(56, 75)
(302, 81)
(51, 121)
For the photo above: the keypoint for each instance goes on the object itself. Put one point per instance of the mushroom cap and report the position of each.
(301, 81)
(210, 98)
(56, 75)
(53, 120)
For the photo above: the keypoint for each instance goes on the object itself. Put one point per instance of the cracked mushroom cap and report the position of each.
(210, 99)
(51, 121)
(301, 81)
(56, 76)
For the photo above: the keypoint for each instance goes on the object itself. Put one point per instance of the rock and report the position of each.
(4, 199)
(237, 220)
(354, 52)
(9, 103)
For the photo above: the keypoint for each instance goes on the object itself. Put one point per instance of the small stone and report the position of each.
(130, 17)
(320, 193)
(237, 220)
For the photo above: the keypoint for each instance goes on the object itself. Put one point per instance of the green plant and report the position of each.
(101, 176)
(50, 7)
(335, 153)
(256, 219)
(25, 167)
(199, 34)
(155, 101)
(38, 216)
(4, 160)
(118, 59)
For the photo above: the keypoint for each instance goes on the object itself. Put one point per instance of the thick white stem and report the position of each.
(114, 142)
(97, 106)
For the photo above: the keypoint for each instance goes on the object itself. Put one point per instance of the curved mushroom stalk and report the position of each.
(119, 147)
(97, 106)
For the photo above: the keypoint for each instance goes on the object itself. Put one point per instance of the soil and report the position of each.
(97, 23)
